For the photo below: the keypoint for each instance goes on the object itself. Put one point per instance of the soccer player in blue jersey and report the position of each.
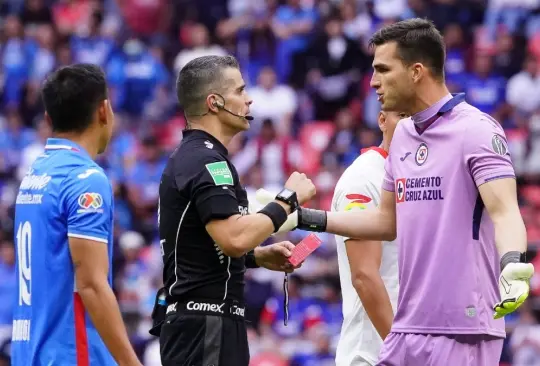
(66, 312)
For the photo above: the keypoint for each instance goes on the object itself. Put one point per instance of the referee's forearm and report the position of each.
(239, 234)
(101, 304)
(253, 230)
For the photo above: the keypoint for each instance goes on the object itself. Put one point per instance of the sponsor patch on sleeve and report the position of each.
(220, 172)
(357, 201)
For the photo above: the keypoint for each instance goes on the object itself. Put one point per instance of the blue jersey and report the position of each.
(64, 194)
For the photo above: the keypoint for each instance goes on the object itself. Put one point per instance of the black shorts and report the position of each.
(203, 333)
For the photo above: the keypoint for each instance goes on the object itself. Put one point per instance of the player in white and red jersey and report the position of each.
(368, 272)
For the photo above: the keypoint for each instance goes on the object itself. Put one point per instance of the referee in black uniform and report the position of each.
(207, 237)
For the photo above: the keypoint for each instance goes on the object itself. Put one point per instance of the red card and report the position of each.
(304, 248)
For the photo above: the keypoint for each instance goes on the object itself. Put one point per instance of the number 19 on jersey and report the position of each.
(24, 250)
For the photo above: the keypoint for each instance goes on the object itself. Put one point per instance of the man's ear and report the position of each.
(102, 111)
(48, 119)
(382, 121)
(417, 72)
(213, 103)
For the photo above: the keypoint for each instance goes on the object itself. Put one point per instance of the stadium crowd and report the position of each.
(307, 67)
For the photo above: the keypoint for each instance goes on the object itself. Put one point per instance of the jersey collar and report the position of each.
(447, 107)
(64, 144)
(378, 149)
(200, 134)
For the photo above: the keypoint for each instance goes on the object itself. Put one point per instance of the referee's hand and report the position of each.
(302, 185)
(275, 257)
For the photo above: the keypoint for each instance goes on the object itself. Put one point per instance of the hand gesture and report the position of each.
(513, 287)
(275, 257)
(302, 185)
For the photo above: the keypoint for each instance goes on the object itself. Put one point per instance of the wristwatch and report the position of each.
(289, 197)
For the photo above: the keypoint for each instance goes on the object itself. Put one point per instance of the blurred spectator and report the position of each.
(142, 183)
(91, 46)
(33, 150)
(7, 288)
(199, 45)
(525, 343)
(292, 25)
(455, 67)
(334, 67)
(72, 16)
(133, 281)
(484, 88)
(16, 56)
(34, 13)
(277, 102)
(526, 82)
(307, 66)
(136, 75)
(277, 155)
(146, 18)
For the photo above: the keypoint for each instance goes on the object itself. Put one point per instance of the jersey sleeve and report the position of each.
(88, 201)
(357, 196)
(388, 180)
(213, 190)
(486, 152)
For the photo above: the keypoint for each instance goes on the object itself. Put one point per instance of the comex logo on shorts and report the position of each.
(211, 308)
(203, 306)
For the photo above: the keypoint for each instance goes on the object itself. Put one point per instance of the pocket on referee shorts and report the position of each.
(182, 340)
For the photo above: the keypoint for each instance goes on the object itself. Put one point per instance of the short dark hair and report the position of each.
(200, 77)
(418, 40)
(71, 95)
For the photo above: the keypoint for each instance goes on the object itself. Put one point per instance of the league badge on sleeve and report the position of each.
(499, 145)
(421, 154)
(90, 202)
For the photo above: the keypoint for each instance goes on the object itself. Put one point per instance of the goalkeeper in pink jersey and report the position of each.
(449, 195)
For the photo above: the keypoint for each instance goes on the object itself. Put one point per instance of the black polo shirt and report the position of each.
(199, 184)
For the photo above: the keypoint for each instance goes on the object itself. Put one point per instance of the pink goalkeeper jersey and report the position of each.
(448, 262)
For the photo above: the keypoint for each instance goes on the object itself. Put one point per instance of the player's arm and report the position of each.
(87, 201)
(365, 261)
(488, 159)
(486, 154)
(500, 199)
(215, 200)
(91, 264)
(365, 258)
(238, 235)
(378, 224)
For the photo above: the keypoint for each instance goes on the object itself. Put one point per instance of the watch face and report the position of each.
(286, 193)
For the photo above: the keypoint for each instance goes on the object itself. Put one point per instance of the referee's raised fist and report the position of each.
(302, 185)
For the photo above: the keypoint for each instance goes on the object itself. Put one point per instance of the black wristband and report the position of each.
(513, 257)
(250, 260)
(311, 220)
(276, 213)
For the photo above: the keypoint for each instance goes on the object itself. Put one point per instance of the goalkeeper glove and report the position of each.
(513, 287)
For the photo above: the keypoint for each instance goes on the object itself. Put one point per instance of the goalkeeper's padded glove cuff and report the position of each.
(513, 257)
(311, 220)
